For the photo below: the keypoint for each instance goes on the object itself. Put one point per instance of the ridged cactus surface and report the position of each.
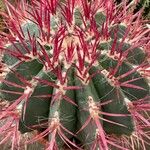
(77, 74)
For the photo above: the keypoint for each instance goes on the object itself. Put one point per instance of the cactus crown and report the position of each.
(76, 72)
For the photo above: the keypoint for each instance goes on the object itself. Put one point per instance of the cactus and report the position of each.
(75, 74)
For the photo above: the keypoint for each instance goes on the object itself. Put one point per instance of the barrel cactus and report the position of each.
(75, 75)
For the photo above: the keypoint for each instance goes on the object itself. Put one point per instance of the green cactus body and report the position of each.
(75, 75)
